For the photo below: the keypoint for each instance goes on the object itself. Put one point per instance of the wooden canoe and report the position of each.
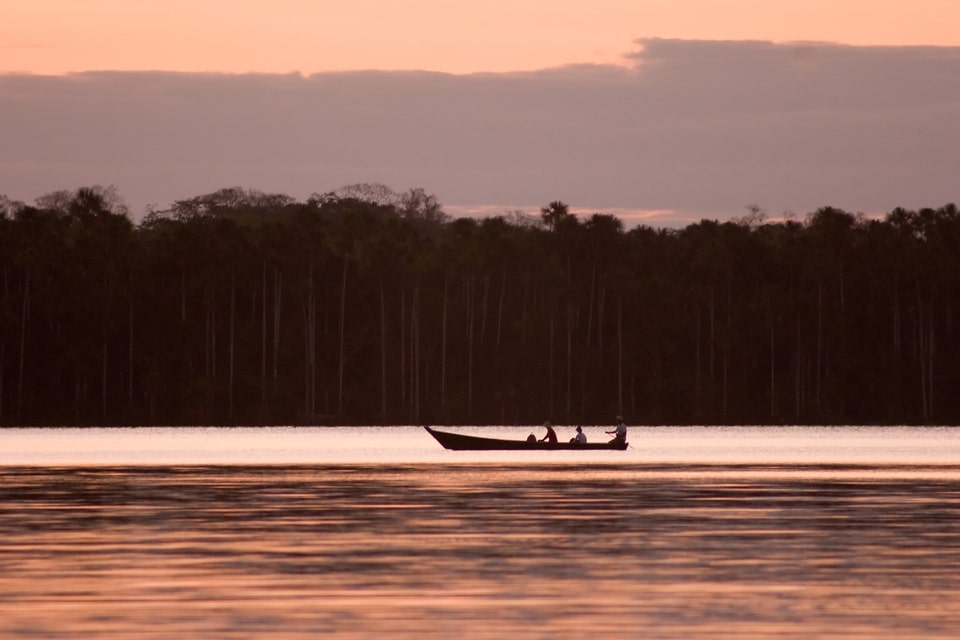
(460, 442)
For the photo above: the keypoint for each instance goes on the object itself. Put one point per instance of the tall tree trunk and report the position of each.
(78, 386)
(208, 355)
(551, 368)
(798, 379)
(207, 331)
(277, 310)
(403, 349)
(343, 325)
(263, 339)
(725, 347)
(620, 354)
(24, 318)
(213, 336)
(3, 352)
(773, 372)
(819, 365)
(443, 346)
(925, 349)
(843, 298)
(569, 359)
(583, 395)
(470, 315)
(725, 372)
(183, 296)
(103, 379)
(601, 308)
(129, 353)
(931, 350)
(306, 357)
(503, 294)
(713, 348)
(310, 348)
(415, 351)
(233, 319)
(383, 352)
(593, 286)
(483, 307)
(697, 371)
(524, 319)
(896, 318)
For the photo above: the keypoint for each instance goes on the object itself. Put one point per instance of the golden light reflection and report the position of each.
(477, 552)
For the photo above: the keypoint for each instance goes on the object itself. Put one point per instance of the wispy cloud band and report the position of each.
(696, 128)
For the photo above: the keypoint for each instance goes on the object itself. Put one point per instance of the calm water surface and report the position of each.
(368, 533)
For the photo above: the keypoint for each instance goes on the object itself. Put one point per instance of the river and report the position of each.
(693, 532)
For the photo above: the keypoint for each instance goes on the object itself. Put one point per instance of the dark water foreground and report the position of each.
(480, 551)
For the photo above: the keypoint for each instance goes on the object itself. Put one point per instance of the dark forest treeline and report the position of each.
(366, 306)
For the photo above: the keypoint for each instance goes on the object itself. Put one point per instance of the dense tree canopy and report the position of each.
(367, 306)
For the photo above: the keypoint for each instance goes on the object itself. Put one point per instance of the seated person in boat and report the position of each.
(551, 436)
(580, 438)
(619, 433)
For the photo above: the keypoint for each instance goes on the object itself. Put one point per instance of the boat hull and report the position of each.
(460, 442)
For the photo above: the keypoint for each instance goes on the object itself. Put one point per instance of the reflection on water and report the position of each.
(405, 445)
(480, 551)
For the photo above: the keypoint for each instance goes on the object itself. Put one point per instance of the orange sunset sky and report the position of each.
(308, 36)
